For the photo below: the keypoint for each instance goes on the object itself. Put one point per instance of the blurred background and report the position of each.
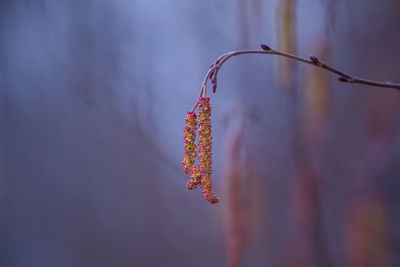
(93, 96)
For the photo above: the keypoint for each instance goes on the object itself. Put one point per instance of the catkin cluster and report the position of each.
(205, 146)
(189, 137)
(200, 174)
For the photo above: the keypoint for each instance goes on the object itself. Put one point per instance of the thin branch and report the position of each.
(313, 60)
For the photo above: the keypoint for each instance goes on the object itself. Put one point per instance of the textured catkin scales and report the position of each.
(204, 149)
(195, 178)
(189, 137)
(200, 174)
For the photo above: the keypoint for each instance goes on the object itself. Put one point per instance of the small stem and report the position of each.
(201, 94)
(201, 91)
(195, 106)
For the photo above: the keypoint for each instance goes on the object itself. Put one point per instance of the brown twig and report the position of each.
(343, 77)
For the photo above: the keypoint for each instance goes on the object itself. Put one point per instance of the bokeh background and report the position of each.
(93, 95)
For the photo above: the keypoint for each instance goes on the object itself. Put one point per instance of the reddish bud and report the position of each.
(265, 47)
(315, 60)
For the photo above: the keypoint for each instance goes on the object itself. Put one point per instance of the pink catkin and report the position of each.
(195, 178)
(204, 149)
(189, 137)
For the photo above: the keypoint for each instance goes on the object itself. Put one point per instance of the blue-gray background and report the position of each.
(93, 96)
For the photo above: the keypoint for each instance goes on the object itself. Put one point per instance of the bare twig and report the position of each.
(313, 60)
